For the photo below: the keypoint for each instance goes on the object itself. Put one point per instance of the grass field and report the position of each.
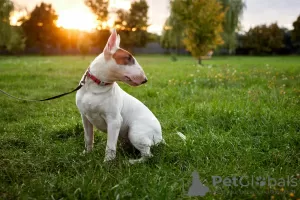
(241, 116)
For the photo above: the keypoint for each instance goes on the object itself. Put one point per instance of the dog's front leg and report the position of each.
(88, 134)
(113, 130)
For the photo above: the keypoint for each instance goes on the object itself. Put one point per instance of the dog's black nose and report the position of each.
(145, 81)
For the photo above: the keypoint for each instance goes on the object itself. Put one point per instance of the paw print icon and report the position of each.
(260, 181)
(197, 188)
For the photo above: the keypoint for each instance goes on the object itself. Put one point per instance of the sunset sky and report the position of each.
(74, 13)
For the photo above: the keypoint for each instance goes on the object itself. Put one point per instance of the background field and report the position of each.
(241, 116)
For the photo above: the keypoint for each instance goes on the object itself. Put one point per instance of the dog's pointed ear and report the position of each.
(118, 41)
(112, 44)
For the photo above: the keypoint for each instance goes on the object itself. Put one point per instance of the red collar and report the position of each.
(95, 79)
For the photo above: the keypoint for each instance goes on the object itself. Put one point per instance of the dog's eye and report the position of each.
(129, 59)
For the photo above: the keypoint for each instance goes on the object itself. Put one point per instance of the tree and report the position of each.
(264, 39)
(172, 34)
(203, 24)
(84, 44)
(11, 38)
(121, 24)
(233, 11)
(287, 47)
(153, 37)
(99, 8)
(99, 38)
(16, 42)
(296, 32)
(167, 41)
(6, 7)
(133, 25)
(40, 28)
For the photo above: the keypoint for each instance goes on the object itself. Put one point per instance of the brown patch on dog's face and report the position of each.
(123, 57)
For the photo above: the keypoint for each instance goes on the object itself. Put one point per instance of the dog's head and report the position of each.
(121, 65)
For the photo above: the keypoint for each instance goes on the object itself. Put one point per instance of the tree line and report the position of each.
(270, 39)
(38, 31)
(197, 26)
(202, 26)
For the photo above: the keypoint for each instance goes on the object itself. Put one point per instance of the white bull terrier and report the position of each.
(103, 104)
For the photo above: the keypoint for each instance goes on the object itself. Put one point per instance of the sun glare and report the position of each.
(80, 17)
(15, 17)
(123, 4)
(77, 19)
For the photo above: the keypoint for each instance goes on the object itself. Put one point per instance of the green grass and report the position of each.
(241, 116)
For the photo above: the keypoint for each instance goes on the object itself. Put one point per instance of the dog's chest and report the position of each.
(98, 106)
(98, 122)
(95, 111)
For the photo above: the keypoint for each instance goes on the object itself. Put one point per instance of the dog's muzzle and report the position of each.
(145, 81)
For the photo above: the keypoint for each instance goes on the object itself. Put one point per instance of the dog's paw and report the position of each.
(86, 151)
(107, 159)
(109, 155)
(135, 161)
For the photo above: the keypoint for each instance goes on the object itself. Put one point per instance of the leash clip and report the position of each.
(102, 83)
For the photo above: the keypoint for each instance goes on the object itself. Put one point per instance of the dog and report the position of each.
(104, 105)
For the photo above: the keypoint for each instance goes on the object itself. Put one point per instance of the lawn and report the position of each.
(241, 117)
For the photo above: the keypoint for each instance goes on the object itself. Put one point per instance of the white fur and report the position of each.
(112, 110)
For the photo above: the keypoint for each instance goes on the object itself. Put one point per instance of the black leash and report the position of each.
(55, 97)
(82, 82)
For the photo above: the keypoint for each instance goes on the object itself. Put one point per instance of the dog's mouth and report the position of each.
(130, 81)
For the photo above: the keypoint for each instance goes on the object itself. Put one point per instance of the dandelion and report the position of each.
(272, 197)
(292, 194)
(282, 190)
(282, 92)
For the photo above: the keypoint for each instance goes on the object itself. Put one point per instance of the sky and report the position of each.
(257, 12)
